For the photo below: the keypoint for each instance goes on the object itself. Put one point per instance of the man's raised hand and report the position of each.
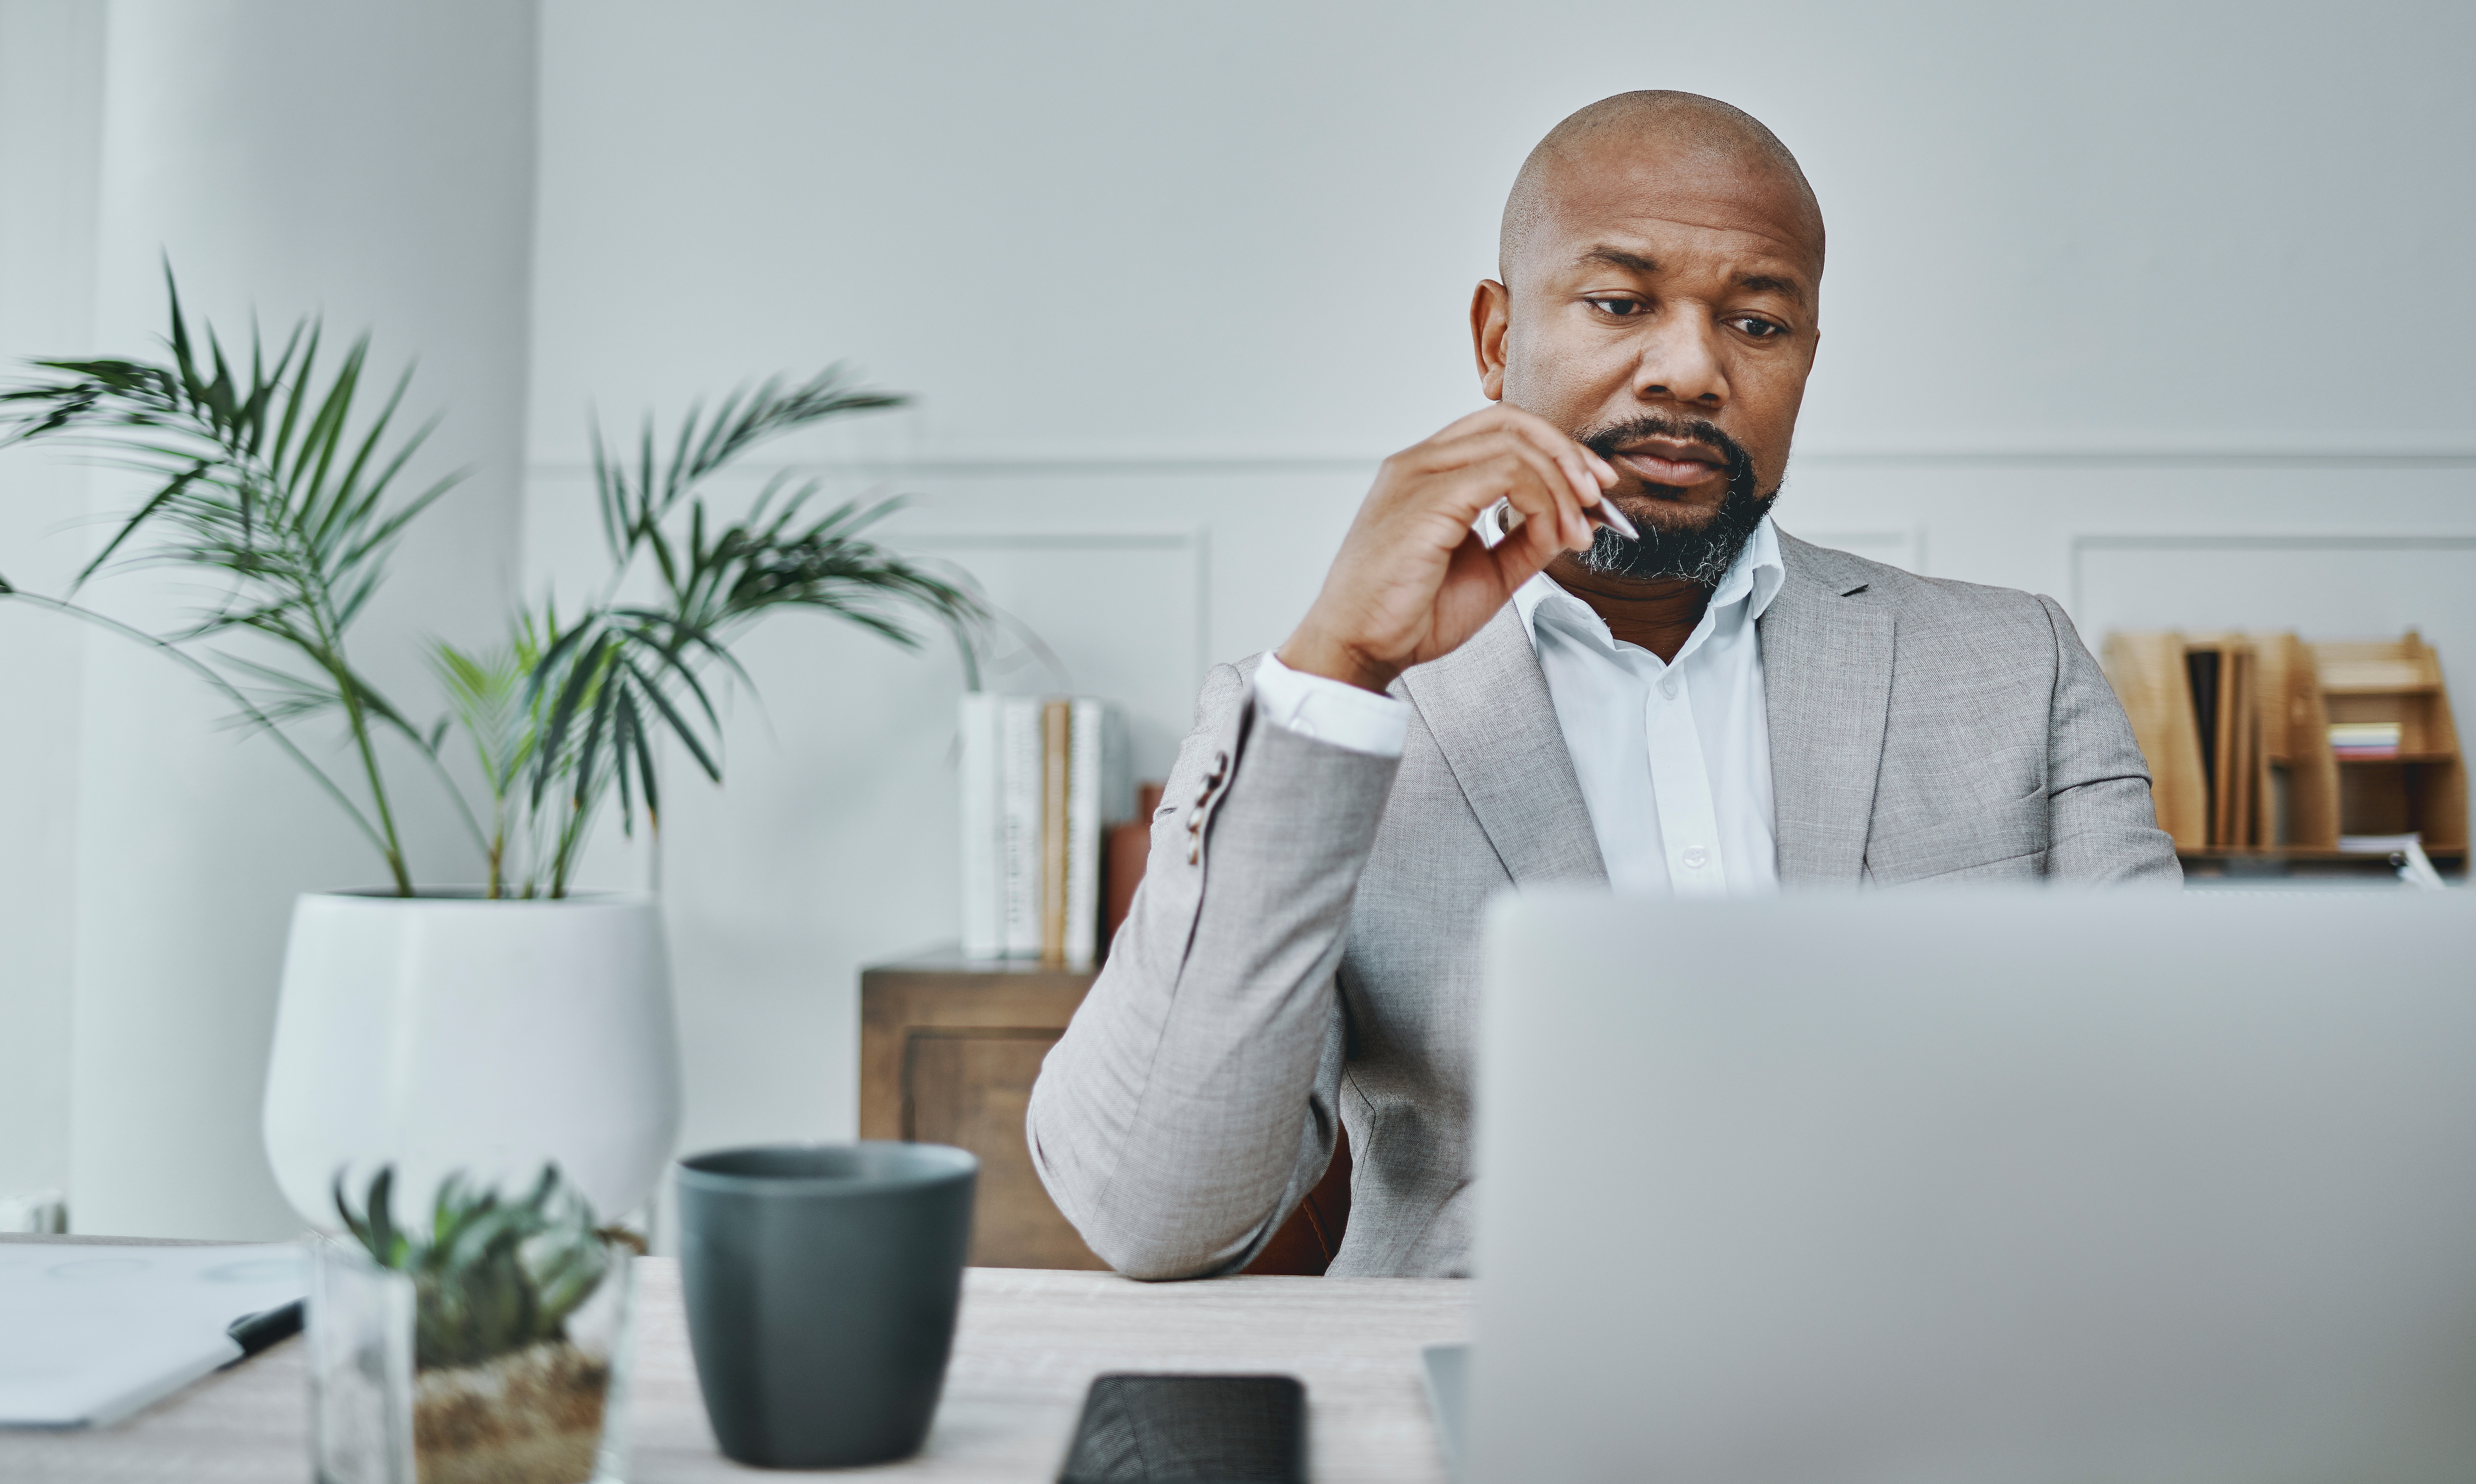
(1413, 580)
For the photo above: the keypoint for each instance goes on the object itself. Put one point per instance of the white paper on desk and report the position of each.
(90, 1333)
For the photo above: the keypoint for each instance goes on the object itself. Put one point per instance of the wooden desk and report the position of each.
(1030, 1342)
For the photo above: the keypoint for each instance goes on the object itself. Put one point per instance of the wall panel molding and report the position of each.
(2230, 542)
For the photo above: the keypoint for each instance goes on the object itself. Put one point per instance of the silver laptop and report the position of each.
(2037, 1187)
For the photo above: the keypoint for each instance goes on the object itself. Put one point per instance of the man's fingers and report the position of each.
(1579, 465)
(1592, 472)
(1481, 434)
(1467, 475)
(1526, 551)
(1538, 489)
(1533, 544)
(1550, 498)
(1561, 480)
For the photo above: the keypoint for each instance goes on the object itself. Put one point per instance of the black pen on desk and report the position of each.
(255, 1332)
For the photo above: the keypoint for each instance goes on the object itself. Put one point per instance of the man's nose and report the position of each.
(1680, 363)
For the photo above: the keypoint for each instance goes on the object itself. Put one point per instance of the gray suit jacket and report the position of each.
(1304, 946)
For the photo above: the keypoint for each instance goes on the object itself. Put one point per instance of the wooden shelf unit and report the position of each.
(2424, 788)
(2236, 729)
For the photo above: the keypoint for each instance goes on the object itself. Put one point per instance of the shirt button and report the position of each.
(1668, 687)
(1695, 857)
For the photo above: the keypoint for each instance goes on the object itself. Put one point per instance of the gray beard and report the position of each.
(1700, 557)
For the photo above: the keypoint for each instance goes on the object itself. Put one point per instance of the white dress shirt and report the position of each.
(1674, 758)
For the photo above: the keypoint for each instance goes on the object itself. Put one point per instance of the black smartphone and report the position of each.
(1224, 1429)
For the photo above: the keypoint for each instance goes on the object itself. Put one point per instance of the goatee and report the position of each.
(1701, 556)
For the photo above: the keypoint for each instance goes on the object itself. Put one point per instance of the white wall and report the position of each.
(51, 67)
(1170, 280)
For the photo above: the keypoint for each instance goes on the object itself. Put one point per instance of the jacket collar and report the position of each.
(1487, 706)
(1826, 647)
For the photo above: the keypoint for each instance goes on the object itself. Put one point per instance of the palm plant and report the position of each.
(631, 669)
(264, 476)
(259, 476)
(491, 1276)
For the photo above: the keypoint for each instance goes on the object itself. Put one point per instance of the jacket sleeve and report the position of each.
(2102, 826)
(1192, 1102)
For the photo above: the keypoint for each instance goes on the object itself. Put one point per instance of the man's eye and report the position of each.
(1620, 307)
(1759, 329)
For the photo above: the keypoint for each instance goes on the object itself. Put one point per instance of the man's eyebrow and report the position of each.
(1772, 283)
(1643, 262)
(1619, 257)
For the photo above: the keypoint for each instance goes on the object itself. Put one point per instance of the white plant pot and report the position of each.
(449, 1033)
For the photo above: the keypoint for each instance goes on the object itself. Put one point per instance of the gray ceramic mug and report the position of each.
(821, 1282)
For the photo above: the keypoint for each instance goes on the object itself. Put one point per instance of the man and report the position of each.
(1714, 708)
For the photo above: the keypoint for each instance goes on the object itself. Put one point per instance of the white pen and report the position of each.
(1604, 513)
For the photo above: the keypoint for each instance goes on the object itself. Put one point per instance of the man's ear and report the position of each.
(1491, 308)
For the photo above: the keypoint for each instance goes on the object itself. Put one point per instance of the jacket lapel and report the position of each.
(1487, 706)
(1827, 689)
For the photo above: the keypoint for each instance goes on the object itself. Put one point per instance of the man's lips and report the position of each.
(1690, 464)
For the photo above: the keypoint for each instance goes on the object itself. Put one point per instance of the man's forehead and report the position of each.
(1642, 195)
(1663, 162)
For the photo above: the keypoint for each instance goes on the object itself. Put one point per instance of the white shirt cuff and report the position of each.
(1331, 711)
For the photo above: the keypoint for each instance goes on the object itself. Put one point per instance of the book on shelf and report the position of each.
(2364, 739)
(1042, 782)
(984, 907)
(1090, 757)
(1019, 824)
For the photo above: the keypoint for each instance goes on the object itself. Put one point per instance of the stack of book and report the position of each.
(1042, 781)
(2364, 739)
(2227, 716)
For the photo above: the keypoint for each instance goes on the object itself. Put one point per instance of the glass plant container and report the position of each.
(441, 1376)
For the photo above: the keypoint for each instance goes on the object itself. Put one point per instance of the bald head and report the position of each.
(1680, 140)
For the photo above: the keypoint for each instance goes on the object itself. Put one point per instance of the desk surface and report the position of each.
(1029, 1342)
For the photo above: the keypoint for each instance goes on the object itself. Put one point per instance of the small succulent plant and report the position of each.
(491, 1276)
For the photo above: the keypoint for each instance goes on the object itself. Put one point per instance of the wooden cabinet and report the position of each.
(949, 1047)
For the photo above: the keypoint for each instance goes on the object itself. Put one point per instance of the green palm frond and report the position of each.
(485, 693)
(629, 673)
(261, 473)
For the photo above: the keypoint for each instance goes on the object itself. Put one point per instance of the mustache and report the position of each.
(1606, 441)
(1703, 557)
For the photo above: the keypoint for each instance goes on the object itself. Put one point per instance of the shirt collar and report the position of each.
(1755, 576)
